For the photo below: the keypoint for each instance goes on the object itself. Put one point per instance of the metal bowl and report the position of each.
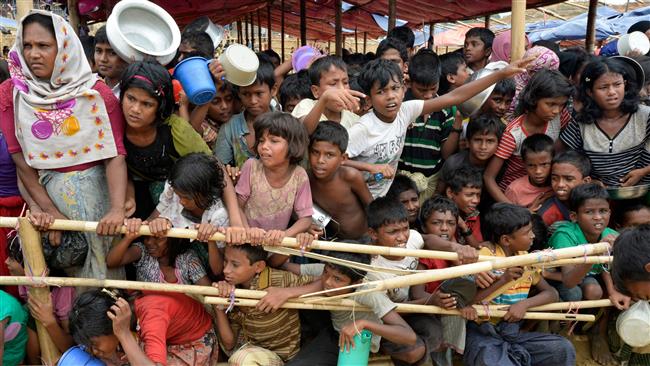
(204, 24)
(626, 193)
(473, 104)
(139, 28)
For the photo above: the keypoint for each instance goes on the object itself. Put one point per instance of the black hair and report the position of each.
(544, 84)
(484, 124)
(465, 177)
(424, 68)
(101, 36)
(537, 143)
(505, 87)
(43, 20)
(200, 42)
(404, 34)
(437, 203)
(629, 207)
(541, 233)
(265, 72)
(295, 86)
(393, 44)
(370, 56)
(272, 55)
(553, 46)
(504, 219)
(322, 65)
(578, 160)
(353, 83)
(449, 63)
(354, 274)
(631, 255)
(590, 111)
(332, 132)
(485, 35)
(155, 80)
(640, 26)
(572, 60)
(588, 191)
(4, 71)
(401, 183)
(176, 247)
(384, 211)
(380, 71)
(199, 176)
(355, 59)
(88, 318)
(88, 44)
(286, 126)
(254, 253)
(644, 61)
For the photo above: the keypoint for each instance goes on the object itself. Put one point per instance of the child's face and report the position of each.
(256, 98)
(272, 150)
(497, 104)
(411, 201)
(640, 290)
(461, 76)
(593, 217)
(332, 278)
(186, 201)
(387, 101)
(333, 78)
(290, 104)
(636, 218)
(474, 50)
(549, 108)
(538, 167)
(424, 92)
(483, 146)
(109, 64)
(565, 177)
(608, 91)
(442, 224)
(521, 239)
(325, 158)
(104, 346)
(237, 268)
(467, 199)
(393, 235)
(393, 55)
(139, 108)
(156, 247)
(220, 109)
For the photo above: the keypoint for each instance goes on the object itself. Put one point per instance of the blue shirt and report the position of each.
(231, 147)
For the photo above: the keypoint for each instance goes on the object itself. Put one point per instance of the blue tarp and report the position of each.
(7, 22)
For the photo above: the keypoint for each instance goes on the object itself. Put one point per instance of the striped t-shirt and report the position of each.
(519, 291)
(513, 137)
(613, 157)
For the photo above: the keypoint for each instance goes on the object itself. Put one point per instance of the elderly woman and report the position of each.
(64, 129)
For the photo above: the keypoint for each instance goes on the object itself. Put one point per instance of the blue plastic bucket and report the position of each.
(77, 356)
(357, 356)
(195, 77)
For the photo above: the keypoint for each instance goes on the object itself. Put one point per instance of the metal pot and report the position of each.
(204, 24)
(473, 104)
(139, 28)
(626, 193)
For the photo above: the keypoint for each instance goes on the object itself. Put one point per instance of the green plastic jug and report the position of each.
(357, 356)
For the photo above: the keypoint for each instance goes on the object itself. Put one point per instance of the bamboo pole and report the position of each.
(487, 22)
(246, 30)
(35, 266)
(432, 27)
(268, 27)
(259, 31)
(590, 40)
(303, 23)
(73, 15)
(240, 36)
(392, 14)
(338, 28)
(249, 20)
(517, 41)
(365, 42)
(282, 28)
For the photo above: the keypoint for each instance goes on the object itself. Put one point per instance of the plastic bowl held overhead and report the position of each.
(240, 64)
(633, 41)
(473, 104)
(139, 28)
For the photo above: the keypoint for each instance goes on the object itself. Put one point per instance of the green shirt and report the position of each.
(15, 329)
(569, 234)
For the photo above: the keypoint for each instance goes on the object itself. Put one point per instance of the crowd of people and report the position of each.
(374, 143)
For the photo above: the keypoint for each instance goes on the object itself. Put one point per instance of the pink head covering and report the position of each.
(501, 46)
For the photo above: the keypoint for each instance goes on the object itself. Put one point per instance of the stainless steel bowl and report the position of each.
(626, 193)
(473, 104)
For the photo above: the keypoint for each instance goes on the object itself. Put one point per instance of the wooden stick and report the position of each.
(35, 266)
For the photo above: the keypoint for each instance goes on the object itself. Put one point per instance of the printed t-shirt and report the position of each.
(279, 331)
(519, 291)
(510, 145)
(554, 210)
(376, 142)
(271, 208)
(521, 192)
(348, 119)
(15, 329)
(377, 301)
(569, 234)
(188, 268)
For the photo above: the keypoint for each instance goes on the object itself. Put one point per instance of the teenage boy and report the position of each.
(267, 330)
(109, 65)
(406, 35)
(489, 343)
(454, 72)
(237, 137)
(632, 214)
(500, 99)
(534, 188)
(569, 170)
(377, 140)
(394, 50)
(464, 189)
(405, 191)
(338, 190)
(334, 101)
(432, 137)
(293, 89)
(477, 48)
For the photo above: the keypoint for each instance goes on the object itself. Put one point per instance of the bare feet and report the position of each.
(600, 350)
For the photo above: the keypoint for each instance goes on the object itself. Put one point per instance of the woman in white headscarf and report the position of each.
(64, 130)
